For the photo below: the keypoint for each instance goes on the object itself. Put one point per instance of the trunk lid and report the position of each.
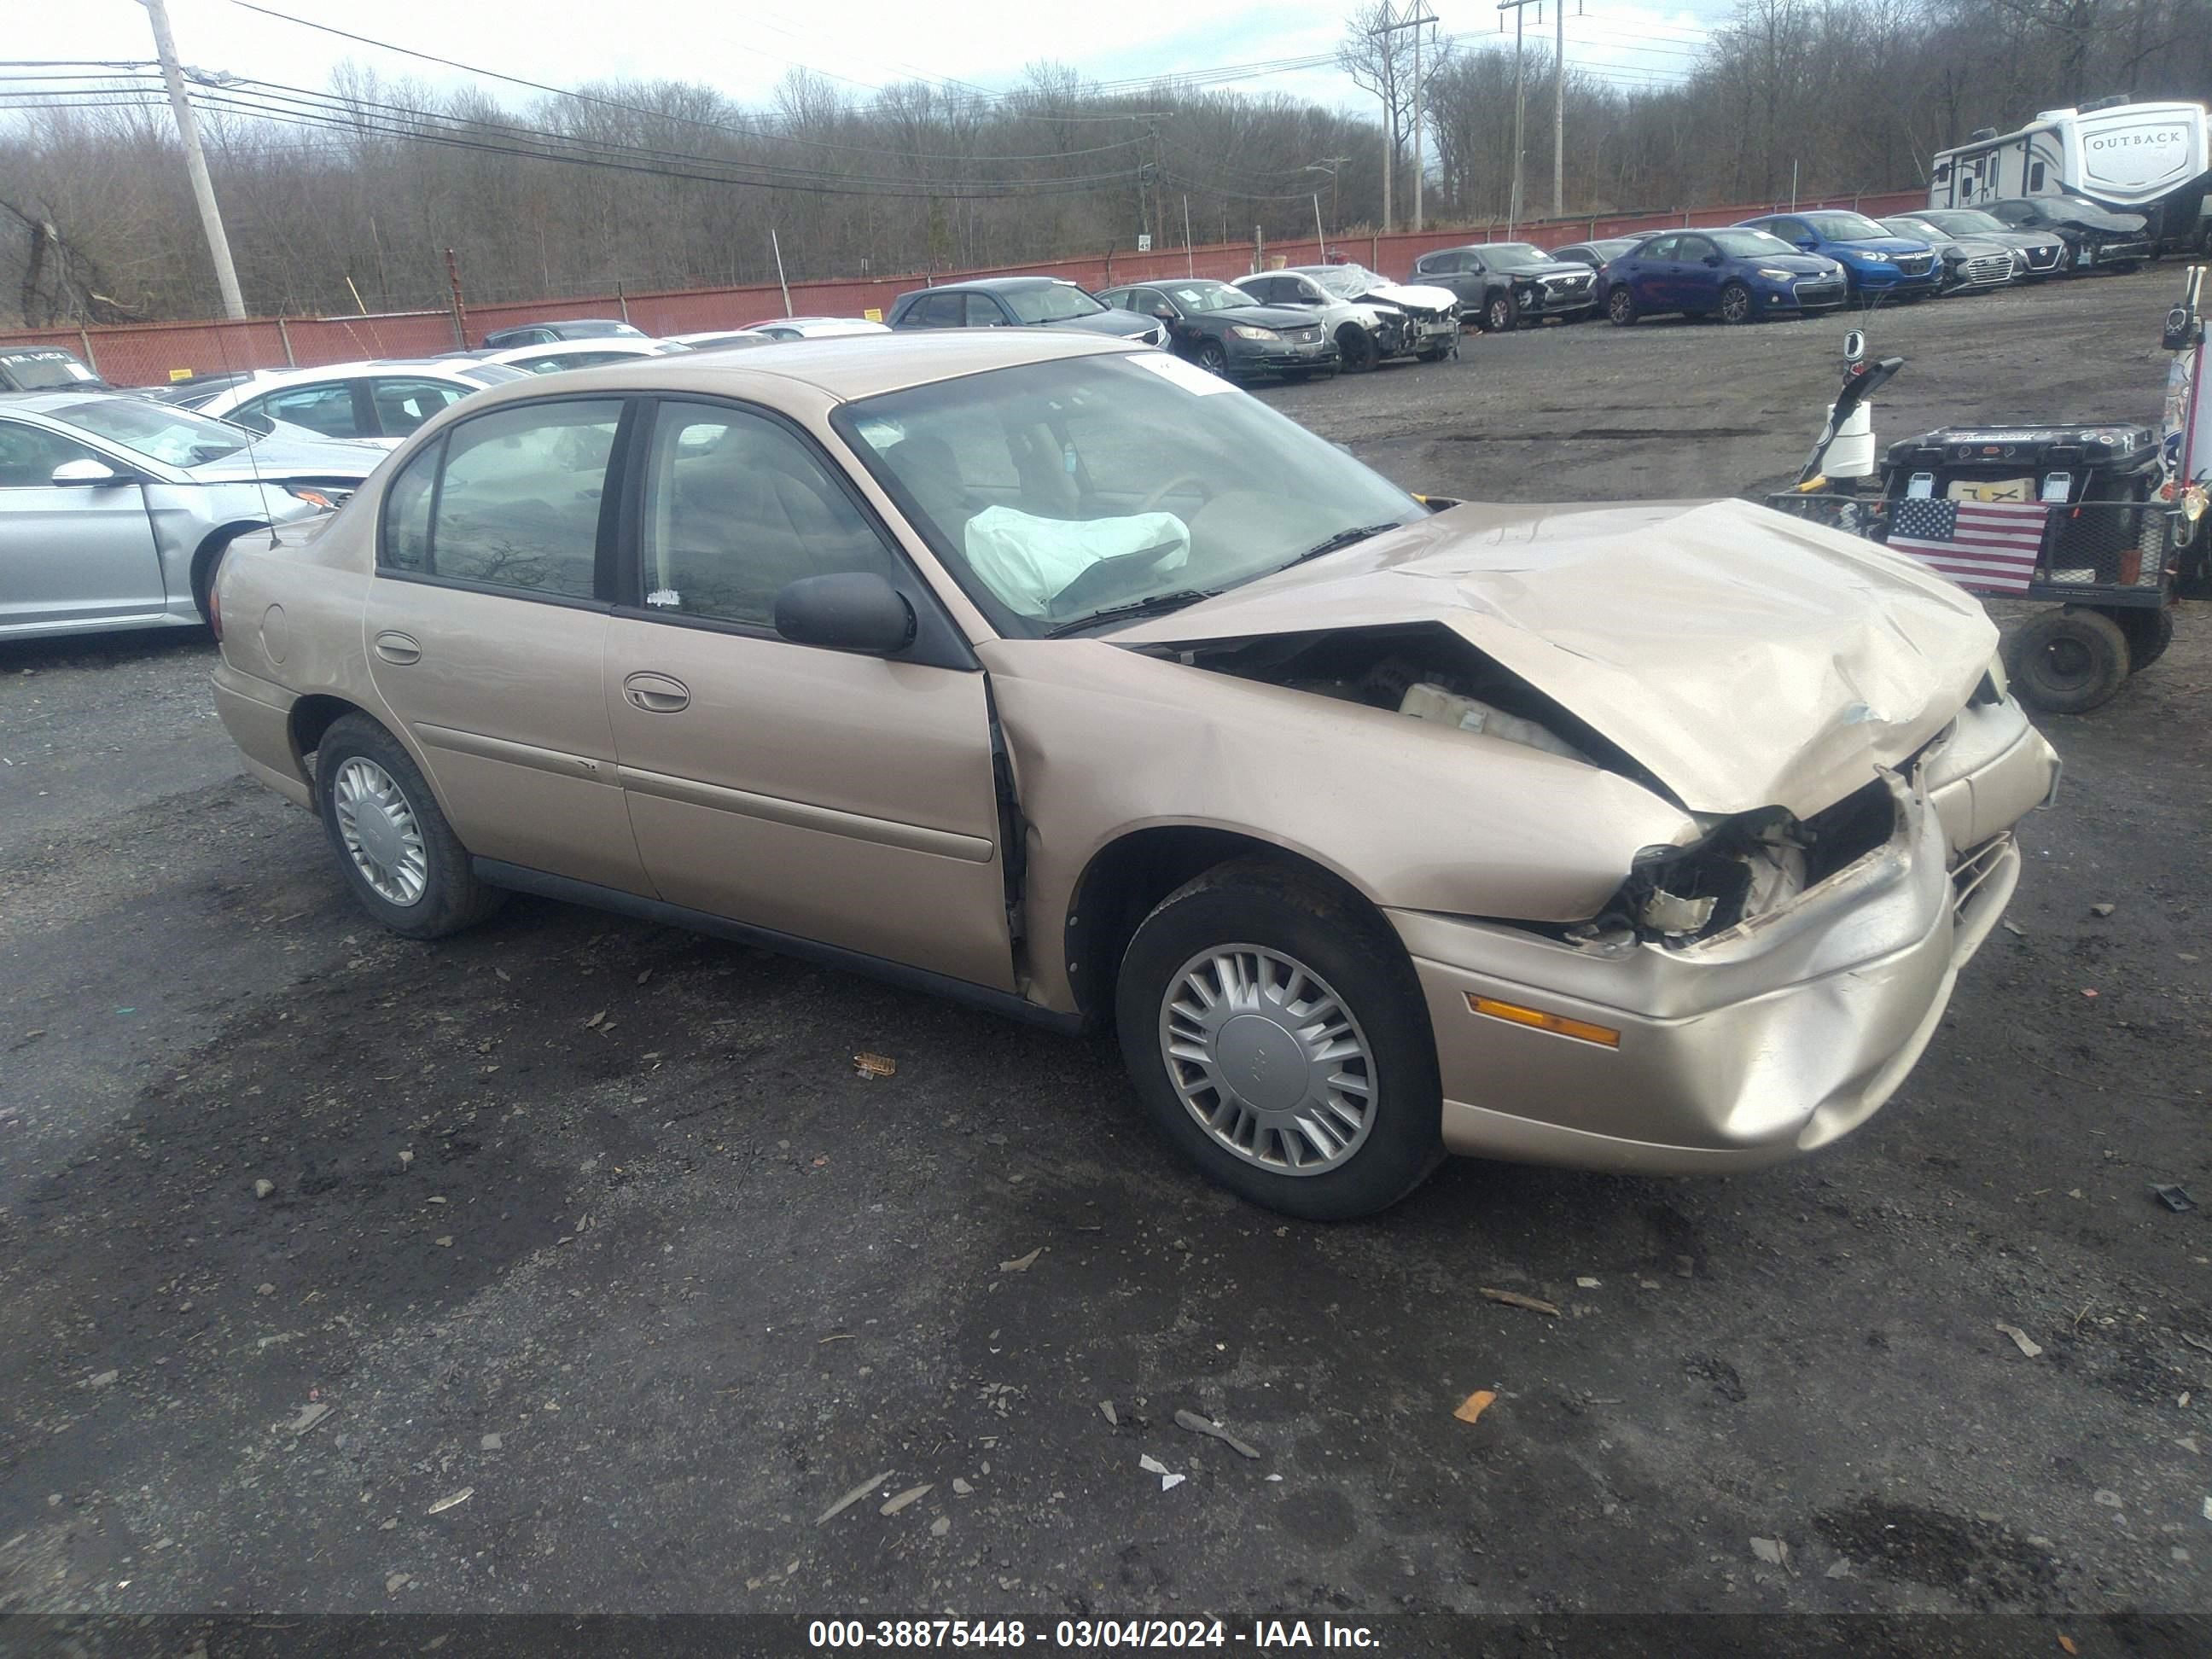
(1747, 659)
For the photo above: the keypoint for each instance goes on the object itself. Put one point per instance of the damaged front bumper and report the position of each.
(1771, 1039)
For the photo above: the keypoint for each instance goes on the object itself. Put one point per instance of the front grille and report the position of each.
(1825, 287)
(1302, 336)
(1912, 265)
(1989, 268)
(2042, 259)
(1567, 286)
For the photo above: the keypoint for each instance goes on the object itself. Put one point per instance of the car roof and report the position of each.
(997, 285)
(59, 397)
(841, 368)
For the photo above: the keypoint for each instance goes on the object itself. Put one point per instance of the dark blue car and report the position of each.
(1878, 264)
(1738, 276)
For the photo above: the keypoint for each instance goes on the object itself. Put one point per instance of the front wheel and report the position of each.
(1501, 313)
(2068, 661)
(1736, 303)
(401, 858)
(1213, 357)
(1620, 307)
(1357, 346)
(1277, 1038)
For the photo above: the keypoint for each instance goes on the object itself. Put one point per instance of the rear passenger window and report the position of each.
(515, 502)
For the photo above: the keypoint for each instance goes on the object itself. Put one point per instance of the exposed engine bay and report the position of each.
(1745, 866)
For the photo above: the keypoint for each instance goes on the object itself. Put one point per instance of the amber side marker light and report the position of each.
(1558, 1024)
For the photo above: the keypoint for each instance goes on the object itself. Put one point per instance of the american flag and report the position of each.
(1988, 546)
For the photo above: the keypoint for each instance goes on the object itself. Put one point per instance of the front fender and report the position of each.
(1105, 740)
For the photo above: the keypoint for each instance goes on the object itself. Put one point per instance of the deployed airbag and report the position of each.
(1026, 560)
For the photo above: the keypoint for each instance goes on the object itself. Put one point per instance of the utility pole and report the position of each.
(1520, 107)
(1417, 17)
(1558, 109)
(188, 130)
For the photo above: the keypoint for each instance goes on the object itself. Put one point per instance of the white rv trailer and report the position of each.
(2144, 158)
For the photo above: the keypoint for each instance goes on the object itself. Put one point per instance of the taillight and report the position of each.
(214, 606)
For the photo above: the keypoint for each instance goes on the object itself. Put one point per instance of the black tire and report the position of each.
(1620, 308)
(1357, 346)
(2148, 633)
(1736, 306)
(207, 563)
(1501, 314)
(452, 897)
(1332, 935)
(2067, 661)
(1213, 357)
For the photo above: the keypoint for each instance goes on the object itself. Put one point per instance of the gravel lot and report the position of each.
(593, 1226)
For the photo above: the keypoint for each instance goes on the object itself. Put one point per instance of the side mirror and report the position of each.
(851, 611)
(1806, 244)
(97, 474)
(1713, 260)
(1165, 313)
(1855, 346)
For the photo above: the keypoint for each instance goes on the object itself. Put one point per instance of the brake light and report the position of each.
(214, 607)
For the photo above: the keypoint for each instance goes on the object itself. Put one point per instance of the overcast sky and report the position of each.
(742, 48)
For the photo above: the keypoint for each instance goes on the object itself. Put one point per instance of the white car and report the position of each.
(377, 403)
(803, 328)
(578, 354)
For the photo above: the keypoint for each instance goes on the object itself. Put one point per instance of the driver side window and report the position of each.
(736, 509)
(29, 454)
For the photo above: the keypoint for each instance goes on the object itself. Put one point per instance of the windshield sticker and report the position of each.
(1189, 376)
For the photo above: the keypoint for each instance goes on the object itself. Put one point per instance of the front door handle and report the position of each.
(395, 646)
(657, 694)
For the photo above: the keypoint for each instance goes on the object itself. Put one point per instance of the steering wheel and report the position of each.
(1169, 488)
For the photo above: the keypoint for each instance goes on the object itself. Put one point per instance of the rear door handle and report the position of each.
(657, 694)
(394, 646)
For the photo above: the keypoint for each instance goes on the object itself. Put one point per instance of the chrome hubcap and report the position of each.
(1267, 1058)
(378, 829)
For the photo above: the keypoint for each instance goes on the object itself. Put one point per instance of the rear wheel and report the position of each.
(1501, 314)
(1276, 1034)
(1736, 303)
(1620, 307)
(2148, 633)
(402, 860)
(2068, 661)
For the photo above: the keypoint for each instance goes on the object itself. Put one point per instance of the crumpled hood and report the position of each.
(1747, 659)
(1420, 298)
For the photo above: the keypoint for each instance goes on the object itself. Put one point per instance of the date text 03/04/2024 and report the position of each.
(1259, 1636)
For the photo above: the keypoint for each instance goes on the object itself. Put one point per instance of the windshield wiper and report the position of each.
(1343, 538)
(1146, 607)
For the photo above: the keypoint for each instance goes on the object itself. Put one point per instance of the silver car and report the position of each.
(115, 510)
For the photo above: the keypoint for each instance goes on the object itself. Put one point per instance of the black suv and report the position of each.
(2096, 237)
(1503, 284)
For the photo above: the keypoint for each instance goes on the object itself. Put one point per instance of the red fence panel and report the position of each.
(153, 354)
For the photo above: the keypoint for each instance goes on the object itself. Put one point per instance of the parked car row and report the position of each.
(1787, 262)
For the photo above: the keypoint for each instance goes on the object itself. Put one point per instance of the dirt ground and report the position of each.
(589, 1274)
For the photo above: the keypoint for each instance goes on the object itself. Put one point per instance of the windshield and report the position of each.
(1205, 296)
(1845, 227)
(1512, 255)
(174, 437)
(490, 374)
(42, 370)
(1055, 302)
(1345, 281)
(1749, 244)
(590, 329)
(1056, 491)
(1965, 220)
